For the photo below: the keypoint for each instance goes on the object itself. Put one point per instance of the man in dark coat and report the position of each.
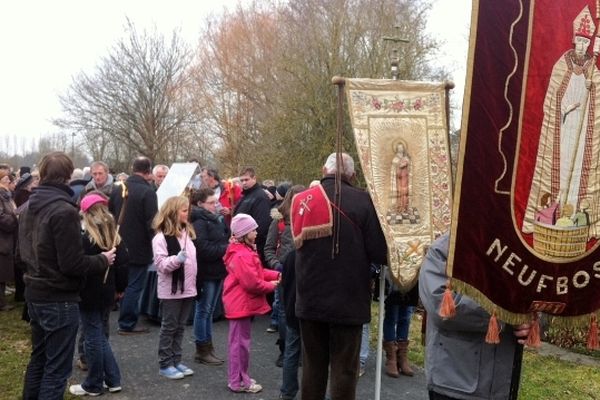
(136, 199)
(50, 245)
(255, 203)
(333, 276)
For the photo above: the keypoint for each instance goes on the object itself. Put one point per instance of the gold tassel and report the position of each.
(493, 332)
(447, 307)
(592, 340)
(534, 339)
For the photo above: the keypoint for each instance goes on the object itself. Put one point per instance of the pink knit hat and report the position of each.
(90, 200)
(242, 224)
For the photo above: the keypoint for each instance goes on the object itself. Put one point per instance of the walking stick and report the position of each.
(124, 195)
(516, 373)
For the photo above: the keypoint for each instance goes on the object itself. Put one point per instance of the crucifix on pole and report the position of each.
(395, 58)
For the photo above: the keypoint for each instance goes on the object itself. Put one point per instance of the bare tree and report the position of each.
(264, 75)
(136, 98)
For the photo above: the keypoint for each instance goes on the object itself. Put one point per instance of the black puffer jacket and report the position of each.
(212, 238)
(50, 245)
(140, 209)
(255, 203)
(97, 295)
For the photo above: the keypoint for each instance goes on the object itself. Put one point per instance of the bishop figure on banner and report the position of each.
(566, 168)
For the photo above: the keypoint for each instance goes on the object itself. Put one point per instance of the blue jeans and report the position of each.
(205, 307)
(291, 358)
(275, 307)
(102, 366)
(396, 322)
(53, 332)
(130, 305)
(364, 344)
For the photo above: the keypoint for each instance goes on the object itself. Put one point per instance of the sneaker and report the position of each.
(171, 373)
(253, 388)
(77, 390)
(184, 370)
(82, 365)
(112, 389)
(272, 328)
(361, 371)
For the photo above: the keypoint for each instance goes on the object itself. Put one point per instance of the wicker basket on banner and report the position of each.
(559, 241)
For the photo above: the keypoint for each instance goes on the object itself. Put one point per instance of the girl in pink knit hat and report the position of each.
(244, 296)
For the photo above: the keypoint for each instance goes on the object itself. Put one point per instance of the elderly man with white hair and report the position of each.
(337, 238)
(159, 173)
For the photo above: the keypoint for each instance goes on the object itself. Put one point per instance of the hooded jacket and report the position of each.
(51, 247)
(458, 362)
(279, 240)
(212, 239)
(247, 283)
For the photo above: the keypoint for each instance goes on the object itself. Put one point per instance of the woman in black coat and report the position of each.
(212, 238)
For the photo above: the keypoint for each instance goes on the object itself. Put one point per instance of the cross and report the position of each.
(395, 58)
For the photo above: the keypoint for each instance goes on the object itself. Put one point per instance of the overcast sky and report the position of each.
(45, 43)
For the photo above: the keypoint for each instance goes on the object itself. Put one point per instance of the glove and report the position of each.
(279, 267)
(181, 256)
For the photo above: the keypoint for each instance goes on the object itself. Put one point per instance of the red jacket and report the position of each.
(230, 196)
(247, 283)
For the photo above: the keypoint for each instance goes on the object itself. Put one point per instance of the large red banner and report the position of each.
(526, 219)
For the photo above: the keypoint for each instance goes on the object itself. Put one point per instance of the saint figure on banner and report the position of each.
(569, 147)
(400, 179)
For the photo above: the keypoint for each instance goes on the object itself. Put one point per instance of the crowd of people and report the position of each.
(79, 244)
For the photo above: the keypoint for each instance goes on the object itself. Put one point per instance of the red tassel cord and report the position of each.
(534, 339)
(447, 307)
(592, 340)
(493, 332)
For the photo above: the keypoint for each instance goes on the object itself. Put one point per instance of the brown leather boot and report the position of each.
(402, 358)
(212, 352)
(391, 364)
(203, 355)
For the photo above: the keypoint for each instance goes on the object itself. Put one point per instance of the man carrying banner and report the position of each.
(337, 236)
(459, 364)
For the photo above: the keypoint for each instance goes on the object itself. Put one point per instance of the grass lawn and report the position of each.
(542, 377)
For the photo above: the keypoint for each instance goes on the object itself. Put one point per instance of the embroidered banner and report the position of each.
(401, 134)
(526, 216)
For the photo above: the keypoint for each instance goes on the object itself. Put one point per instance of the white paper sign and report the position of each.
(176, 181)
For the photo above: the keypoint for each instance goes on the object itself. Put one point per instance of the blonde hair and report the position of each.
(101, 227)
(167, 219)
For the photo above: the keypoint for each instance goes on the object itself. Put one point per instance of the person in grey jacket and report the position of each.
(459, 364)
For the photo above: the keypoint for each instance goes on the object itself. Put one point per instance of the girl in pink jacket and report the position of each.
(244, 296)
(175, 260)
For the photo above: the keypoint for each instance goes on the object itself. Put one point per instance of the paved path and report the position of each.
(137, 357)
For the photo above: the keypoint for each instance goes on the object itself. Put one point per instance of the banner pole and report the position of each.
(516, 373)
(379, 358)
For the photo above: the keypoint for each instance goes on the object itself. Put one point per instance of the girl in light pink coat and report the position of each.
(244, 296)
(175, 260)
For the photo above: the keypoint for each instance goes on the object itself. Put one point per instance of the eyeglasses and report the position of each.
(210, 202)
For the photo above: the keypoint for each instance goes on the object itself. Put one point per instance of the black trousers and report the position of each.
(329, 347)
(436, 396)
